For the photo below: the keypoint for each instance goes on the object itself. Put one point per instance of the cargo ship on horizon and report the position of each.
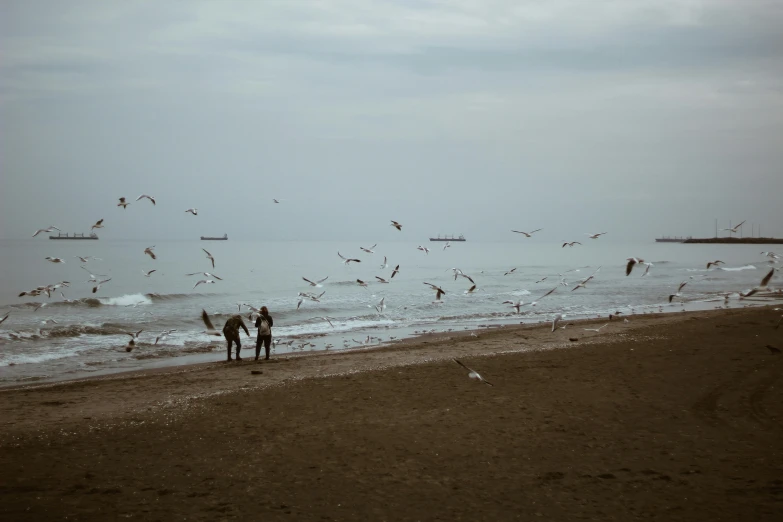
(448, 238)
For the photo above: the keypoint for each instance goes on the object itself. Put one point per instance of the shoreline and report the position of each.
(674, 416)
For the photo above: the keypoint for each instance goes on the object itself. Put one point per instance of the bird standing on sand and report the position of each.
(209, 256)
(149, 252)
(473, 374)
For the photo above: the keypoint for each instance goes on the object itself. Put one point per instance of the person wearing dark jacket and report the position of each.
(231, 333)
(264, 324)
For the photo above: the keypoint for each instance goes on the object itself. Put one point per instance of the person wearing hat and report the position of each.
(264, 324)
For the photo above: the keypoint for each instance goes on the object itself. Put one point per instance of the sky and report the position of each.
(638, 118)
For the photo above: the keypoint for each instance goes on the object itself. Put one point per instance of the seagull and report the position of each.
(65, 299)
(327, 319)
(395, 271)
(209, 256)
(369, 250)
(556, 320)
(87, 258)
(205, 281)
(735, 229)
(595, 236)
(362, 283)
(347, 260)
(542, 279)
(381, 280)
(146, 196)
(135, 335)
(438, 290)
(516, 306)
(380, 307)
(677, 293)
(447, 245)
(748, 293)
(39, 307)
(210, 329)
(163, 335)
(716, 263)
(55, 259)
(533, 303)
(632, 261)
(147, 274)
(51, 227)
(471, 289)
(396, 225)
(594, 329)
(585, 281)
(193, 211)
(767, 277)
(527, 234)
(149, 252)
(317, 283)
(98, 286)
(384, 264)
(473, 374)
(206, 274)
(510, 271)
(647, 270)
(571, 244)
(98, 224)
(5, 317)
(123, 204)
(93, 278)
(423, 249)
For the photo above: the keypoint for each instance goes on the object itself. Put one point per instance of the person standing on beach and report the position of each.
(231, 333)
(264, 324)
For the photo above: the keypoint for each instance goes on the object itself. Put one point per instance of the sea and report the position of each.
(76, 332)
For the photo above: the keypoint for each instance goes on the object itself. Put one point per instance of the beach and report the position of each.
(666, 417)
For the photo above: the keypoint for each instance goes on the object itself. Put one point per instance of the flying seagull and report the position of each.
(767, 278)
(381, 280)
(99, 224)
(205, 274)
(149, 252)
(210, 329)
(735, 229)
(438, 290)
(209, 256)
(163, 335)
(395, 271)
(51, 227)
(585, 281)
(348, 260)
(595, 236)
(527, 234)
(473, 374)
(571, 244)
(123, 203)
(716, 263)
(380, 307)
(362, 283)
(193, 211)
(369, 250)
(146, 196)
(423, 249)
(147, 274)
(316, 283)
(5, 317)
(55, 259)
(447, 245)
(556, 320)
(98, 286)
(204, 281)
(396, 225)
(384, 264)
(510, 271)
(631, 262)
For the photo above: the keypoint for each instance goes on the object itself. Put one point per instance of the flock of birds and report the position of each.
(303, 297)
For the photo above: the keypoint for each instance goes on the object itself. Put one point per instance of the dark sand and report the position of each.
(664, 418)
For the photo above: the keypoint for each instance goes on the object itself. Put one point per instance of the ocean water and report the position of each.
(88, 335)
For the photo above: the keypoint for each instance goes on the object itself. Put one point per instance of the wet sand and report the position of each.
(674, 417)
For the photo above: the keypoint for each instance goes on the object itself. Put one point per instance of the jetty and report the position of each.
(208, 238)
(60, 235)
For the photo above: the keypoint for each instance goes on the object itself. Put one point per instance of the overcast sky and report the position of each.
(636, 117)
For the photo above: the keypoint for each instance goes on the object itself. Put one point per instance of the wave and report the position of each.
(126, 300)
(737, 269)
(168, 297)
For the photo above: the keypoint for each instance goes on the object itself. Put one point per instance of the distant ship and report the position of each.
(74, 236)
(205, 238)
(448, 238)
